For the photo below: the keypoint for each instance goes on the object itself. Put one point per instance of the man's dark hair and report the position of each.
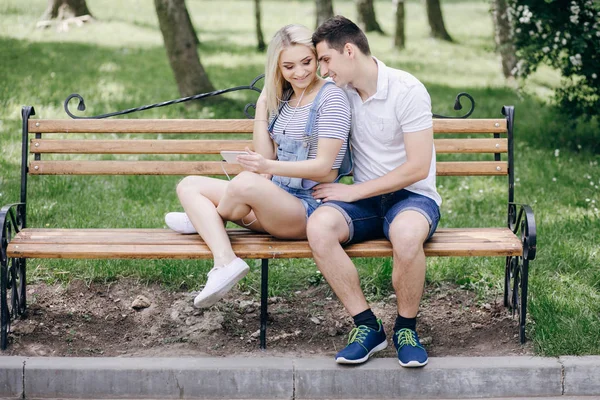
(337, 31)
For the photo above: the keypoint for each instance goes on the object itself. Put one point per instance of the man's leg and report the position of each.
(413, 218)
(408, 232)
(327, 229)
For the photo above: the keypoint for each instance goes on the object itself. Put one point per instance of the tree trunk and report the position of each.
(503, 36)
(64, 9)
(399, 37)
(261, 46)
(436, 20)
(180, 44)
(324, 10)
(189, 21)
(366, 16)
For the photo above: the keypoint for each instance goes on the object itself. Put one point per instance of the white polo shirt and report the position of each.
(400, 106)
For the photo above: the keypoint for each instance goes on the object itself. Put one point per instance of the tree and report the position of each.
(261, 46)
(503, 37)
(436, 20)
(566, 35)
(180, 43)
(366, 16)
(64, 9)
(324, 10)
(399, 36)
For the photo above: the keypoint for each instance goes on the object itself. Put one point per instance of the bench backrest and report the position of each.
(78, 147)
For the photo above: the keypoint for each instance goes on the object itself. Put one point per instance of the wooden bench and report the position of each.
(44, 138)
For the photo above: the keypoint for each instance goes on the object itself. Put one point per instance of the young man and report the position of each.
(393, 194)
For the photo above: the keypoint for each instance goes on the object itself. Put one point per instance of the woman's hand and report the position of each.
(254, 162)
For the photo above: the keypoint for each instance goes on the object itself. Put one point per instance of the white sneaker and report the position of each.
(180, 223)
(220, 281)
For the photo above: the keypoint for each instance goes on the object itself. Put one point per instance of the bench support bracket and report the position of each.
(516, 275)
(13, 302)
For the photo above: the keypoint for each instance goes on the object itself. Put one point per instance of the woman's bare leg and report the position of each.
(200, 197)
(278, 212)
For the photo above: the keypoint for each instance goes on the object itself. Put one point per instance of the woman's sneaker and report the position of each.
(180, 223)
(363, 342)
(410, 351)
(220, 281)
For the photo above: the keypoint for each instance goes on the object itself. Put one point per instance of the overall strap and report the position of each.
(312, 116)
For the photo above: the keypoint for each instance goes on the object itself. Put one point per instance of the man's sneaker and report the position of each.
(362, 344)
(410, 351)
(180, 223)
(220, 281)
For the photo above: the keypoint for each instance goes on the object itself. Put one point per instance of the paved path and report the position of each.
(302, 378)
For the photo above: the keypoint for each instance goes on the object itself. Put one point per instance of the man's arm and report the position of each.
(419, 150)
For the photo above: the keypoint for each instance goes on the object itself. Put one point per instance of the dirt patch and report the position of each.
(98, 320)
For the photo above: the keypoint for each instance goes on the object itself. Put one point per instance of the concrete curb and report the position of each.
(305, 378)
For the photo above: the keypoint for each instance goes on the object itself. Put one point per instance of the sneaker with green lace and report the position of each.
(363, 342)
(410, 351)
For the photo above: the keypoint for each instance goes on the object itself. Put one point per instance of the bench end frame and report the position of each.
(12, 271)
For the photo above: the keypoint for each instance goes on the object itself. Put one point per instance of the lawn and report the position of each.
(119, 62)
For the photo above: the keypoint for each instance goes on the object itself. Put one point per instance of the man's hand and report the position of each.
(336, 191)
(253, 162)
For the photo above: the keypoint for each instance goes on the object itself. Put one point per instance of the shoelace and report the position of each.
(407, 337)
(358, 334)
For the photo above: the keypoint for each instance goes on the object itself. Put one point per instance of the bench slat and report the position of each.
(136, 146)
(162, 243)
(221, 126)
(453, 168)
(141, 126)
(124, 146)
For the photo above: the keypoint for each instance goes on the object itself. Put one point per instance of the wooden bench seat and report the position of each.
(476, 147)
(164, 243)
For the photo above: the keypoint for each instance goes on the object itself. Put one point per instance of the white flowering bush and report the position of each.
(566, 35)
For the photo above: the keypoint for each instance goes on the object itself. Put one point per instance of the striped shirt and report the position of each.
(333, 121)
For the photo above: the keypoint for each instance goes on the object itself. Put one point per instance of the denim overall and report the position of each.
(297, 150)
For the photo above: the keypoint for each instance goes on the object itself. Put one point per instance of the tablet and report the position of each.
(230, 155)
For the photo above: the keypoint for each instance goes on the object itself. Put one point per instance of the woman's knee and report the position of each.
(244, 185)
(187, 185)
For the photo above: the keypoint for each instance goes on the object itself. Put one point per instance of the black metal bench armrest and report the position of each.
(521, 219)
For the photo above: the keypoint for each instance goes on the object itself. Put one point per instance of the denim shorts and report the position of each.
(371, 218)
(305, 196)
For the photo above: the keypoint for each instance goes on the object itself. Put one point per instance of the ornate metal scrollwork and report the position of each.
(458, 107)
(12, 275)
(81, 104)
(251, 86)
(516, 275)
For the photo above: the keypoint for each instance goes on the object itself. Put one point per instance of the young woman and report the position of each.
(300, 139)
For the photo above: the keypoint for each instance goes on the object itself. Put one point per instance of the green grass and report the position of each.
(119, 62)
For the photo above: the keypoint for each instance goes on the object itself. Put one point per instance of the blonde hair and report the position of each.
(275, 86)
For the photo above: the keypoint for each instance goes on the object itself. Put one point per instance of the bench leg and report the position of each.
(264, 293)
(521, 221)
(13, 301)
(4, 313)
(515, 290)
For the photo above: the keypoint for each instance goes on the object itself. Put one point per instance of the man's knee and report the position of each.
(326, 226)
(407, 237)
